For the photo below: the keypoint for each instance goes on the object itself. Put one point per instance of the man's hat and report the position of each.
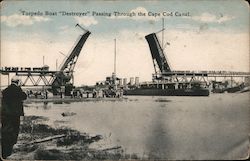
(15, 79)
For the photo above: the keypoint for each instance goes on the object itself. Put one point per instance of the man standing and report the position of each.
(12, 109)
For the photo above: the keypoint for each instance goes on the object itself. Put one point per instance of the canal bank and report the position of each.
(160, 127)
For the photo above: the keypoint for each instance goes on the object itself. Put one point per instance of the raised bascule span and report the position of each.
(167, 82)
(65, 75)
(52, 79)
(158, 56)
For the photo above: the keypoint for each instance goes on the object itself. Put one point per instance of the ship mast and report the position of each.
(115, 57)
(114, 74)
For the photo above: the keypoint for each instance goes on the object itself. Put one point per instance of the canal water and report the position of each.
(214, 127)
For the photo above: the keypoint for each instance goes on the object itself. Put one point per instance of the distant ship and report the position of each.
(165, 81)
(222, 88)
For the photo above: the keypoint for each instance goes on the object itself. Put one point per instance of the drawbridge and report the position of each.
(164, 73)
(42, 76)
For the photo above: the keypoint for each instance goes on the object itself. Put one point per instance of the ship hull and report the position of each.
(235, 89)
(167, 92)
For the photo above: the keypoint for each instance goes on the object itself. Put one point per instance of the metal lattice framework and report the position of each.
(43, 77)
(32, 78)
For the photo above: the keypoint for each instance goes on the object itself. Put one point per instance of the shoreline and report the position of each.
(39, 141)
(69, 99)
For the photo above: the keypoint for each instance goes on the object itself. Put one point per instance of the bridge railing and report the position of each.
(188, 72)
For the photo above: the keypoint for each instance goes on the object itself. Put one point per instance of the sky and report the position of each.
(201, 35)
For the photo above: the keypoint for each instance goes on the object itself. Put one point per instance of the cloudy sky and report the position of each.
(209, 35)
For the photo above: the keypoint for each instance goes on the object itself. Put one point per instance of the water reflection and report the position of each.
(158, 143)
(162, 100)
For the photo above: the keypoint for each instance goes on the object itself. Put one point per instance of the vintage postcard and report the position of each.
(120, 80)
